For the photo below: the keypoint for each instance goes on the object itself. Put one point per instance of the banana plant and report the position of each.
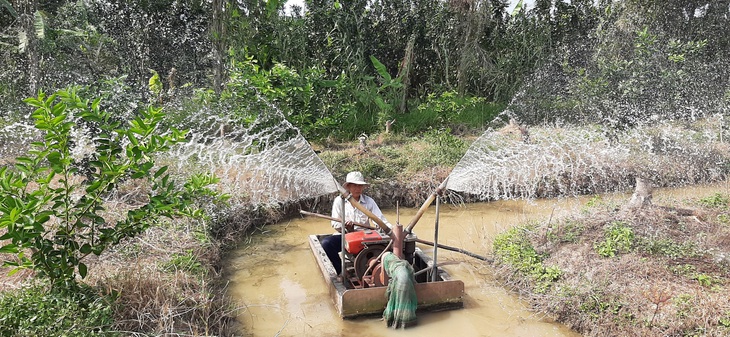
(387, 91)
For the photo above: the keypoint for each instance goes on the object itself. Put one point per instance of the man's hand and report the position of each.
(350, 226)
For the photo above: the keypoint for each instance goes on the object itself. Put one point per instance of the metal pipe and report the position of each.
(435, 266)
(398, 234)
(436, 242)
(429, 243)
(343, 230)
(458, 250)
(398, 241)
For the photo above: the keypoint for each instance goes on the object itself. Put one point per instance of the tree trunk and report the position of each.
(466, 51)
(218, 32)
(642, 194)
(26, 11)
(406, 72)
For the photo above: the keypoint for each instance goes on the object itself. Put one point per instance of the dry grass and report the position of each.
(166, 284)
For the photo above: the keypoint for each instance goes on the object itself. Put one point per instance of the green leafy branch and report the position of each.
(52, 211)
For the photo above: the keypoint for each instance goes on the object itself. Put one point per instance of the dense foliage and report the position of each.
(33, 311)
(335, 63)
(643, 61)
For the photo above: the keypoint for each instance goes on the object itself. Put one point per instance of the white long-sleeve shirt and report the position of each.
(354, 214)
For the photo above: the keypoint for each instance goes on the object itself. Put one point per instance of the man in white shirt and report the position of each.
(355, 184)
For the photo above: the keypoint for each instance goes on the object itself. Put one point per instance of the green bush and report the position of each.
(187, 262)
(600, 304)
(52, 201)
(668, 247)
(568, 231)
(476, 113)
(446, 149)
(448, 110)
(36, 311)
(320, 107)
(690, 272)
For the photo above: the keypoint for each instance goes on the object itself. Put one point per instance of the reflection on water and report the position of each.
(280, 288)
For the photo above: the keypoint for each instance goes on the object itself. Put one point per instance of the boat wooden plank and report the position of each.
(431, 296)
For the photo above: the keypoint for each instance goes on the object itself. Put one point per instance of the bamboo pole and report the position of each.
(343, 230)
(336, 219)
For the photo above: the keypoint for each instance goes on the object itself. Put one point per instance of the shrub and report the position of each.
(668, 247)
(448, 110)
(187, 262)
(569, 231)
(35, 311)
(52, 201)
(446, 149)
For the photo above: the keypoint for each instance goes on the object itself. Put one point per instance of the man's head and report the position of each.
(355, 183)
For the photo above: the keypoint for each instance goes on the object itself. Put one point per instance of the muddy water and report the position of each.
(281, 291)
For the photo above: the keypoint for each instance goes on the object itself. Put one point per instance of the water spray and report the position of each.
(425, 205)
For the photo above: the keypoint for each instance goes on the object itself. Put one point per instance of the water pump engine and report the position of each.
(363, 248)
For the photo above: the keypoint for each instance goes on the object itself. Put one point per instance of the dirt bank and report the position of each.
(657, 270)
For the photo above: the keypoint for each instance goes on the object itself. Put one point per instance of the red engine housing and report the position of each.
(356, 241)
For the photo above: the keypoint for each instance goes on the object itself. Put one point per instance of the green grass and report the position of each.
(716, 200)
(395, 156)
(478, 114)
(448, 111)
(619, 238)
(513, 248)
(187, 262)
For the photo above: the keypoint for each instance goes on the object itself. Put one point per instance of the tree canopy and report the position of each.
(594, 51)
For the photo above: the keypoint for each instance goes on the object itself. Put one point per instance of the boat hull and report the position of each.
(444, 294)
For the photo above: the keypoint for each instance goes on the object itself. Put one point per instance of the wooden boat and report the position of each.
(352, 299)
